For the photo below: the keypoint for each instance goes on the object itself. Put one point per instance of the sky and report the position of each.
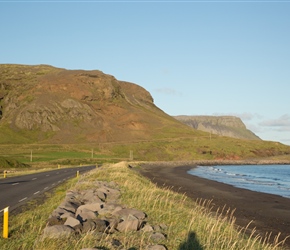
(194, 57)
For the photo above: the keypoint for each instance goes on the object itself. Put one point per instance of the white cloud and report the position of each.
(280, 124)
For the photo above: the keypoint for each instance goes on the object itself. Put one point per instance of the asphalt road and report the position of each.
(15, 191)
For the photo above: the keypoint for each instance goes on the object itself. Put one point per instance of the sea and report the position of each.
(271, 179)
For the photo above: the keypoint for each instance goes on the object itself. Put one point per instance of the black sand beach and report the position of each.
(268, 213)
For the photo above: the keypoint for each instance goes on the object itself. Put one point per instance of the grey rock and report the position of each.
(111, 193)
(90, 197)
(94, 225)
(72, 222)
(131, 223)
(85, 214)
(160, 227)
(147, 228)
(69, 206)
(58, 212)
(95, 206)
(58, 231)
(55, 220)
(157, 237)
(109, 208)
(113, 224)
(67, 214)
(101, 195)
(123, 213)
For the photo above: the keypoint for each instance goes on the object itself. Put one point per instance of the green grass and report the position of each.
(190, 225)
(201, 148)
(50, 153)
(167, 149)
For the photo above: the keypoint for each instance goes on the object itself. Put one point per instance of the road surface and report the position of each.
(15, 191)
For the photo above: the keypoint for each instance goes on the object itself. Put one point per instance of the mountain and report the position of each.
(46, 104)
(47, 108)
(220, 125)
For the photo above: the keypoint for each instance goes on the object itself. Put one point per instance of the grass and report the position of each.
(189, 224)
(200, 148)
(56, 154)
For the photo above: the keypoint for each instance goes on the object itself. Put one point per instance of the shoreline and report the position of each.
(266, 213)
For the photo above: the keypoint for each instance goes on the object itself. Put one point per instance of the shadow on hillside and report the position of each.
(191, 243)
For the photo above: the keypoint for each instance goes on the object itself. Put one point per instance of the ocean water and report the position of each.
(272, 179)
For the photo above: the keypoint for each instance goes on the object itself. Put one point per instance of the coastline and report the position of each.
(266, 213)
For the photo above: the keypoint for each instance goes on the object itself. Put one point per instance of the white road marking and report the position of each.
(22, 199)
(45, 188)
(16, 183)
(34, 179)
(37, 192)
(47, 175)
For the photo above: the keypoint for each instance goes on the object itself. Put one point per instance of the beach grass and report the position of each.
(188, 224)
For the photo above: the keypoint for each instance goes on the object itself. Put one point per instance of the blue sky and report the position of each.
(194, 57)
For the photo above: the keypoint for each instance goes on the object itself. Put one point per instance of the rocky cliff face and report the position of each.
(63, 105)
(221, 125)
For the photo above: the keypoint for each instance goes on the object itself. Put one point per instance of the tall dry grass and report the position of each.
(189, 225)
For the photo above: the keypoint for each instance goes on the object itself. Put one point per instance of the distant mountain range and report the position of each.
(221, 125)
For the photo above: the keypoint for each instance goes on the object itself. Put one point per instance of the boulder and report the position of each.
(72, 222)
(84, 214)
(95, 207)
(124, 213)
(160, 227)
(112, 193)
(131, 223)
(67, 214)
(147, 228)
(89, 196)
(69, 206)
(55, 220)
(155, 236)
(58, 212)
(101, 195)
(58, 231)
(113, 223)
(94, 225)
(109, 208)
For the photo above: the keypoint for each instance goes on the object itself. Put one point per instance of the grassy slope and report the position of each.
(190, 225)
(166, 149)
